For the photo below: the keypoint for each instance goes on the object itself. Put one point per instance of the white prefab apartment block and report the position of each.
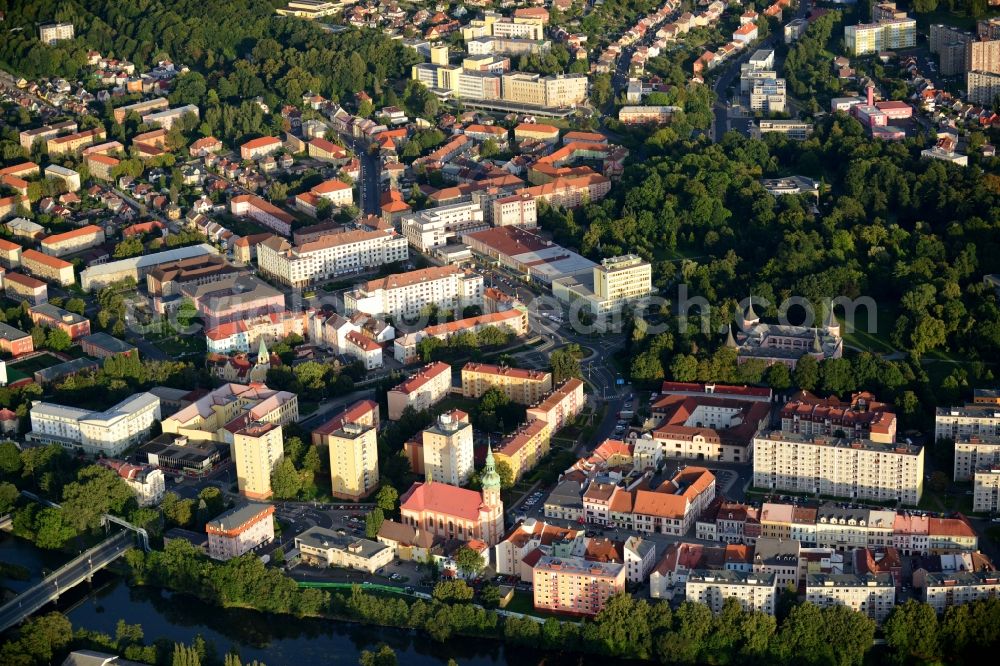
(858, 469)
(407, 294)
(329, 256)
(754, 591)
(961, 587)
(240, 530)
(109, 432)
(873, 595)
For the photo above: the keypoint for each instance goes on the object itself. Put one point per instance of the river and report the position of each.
(273, 640)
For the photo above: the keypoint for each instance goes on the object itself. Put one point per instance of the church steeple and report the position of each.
(817, 348)
(730, 340)
(490, 480)
(831, 324)
(263, 356)
(750, 317)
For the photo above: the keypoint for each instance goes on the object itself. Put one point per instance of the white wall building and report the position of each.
(754, 591)
(330, 256)
(407, 294)
(108, 433)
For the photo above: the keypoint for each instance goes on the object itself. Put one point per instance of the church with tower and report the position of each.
(243, 368)
(779, 343)
(451, 512)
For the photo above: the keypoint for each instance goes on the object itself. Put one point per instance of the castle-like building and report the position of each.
(777, 343)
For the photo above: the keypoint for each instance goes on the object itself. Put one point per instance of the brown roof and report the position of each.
(44, 259)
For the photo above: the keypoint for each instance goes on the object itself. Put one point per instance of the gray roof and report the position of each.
(52, 373)
(54, 312)
(8, 332)
(776, 551)
(567, 494)
(107, 343)
(237, 516)
(145, 261)
(319, 537)
(93, 658)
(731, 577)
(850, 580)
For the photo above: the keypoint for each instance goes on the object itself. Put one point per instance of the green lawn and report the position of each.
(29, 366)
(959, 20)
(878, 341)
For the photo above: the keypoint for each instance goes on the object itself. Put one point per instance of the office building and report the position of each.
(754, 591)
(520, 385)
(230, 407)
(850, 468)
(873, 595)
(434, 227)
(421, 391)
(616, 282)
(109, 432)
(319, 546)
(330, 256)
(575, 586)
(793, 129)
(98, 276)
(448, 288)
(240, 530)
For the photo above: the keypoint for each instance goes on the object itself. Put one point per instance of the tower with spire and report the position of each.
(831, 324)
(750, 318)
(263, 356)
(490, 481)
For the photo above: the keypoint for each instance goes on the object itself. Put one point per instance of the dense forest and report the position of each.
(239, 49)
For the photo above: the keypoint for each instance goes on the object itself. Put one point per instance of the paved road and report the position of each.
(327, 409)
(71, 574)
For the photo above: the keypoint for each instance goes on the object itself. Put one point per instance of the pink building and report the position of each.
(240, 530)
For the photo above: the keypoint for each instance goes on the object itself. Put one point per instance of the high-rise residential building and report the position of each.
(332, 255)
(448, 288)
(873, 595)
(353, 460)
(240, 530)
(447, 449)
(982, 87)
(109, 432)
(520, 385)
(754, 591)
(983, 56)
(421, 391)
(850, 468)
(575, 586)
(257, 449)
(51, 33)
(986, 489)
(975, 430)
(863, 417)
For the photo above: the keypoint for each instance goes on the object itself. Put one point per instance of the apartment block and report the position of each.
(52, 33)
(69, 178)
(850, 468)
(447, 449)
(517, 209)
(240, 530)
(971, 420)
(873, 595)
(431, 228)
(982, 87)
(257, 450)
(520, 385)
(165, 119)
(14, 341)
(986, 490)
(272, 217)
(448, 288)
(575, 586)
(560, 407)
(899, 33)
(353, 460)
(77, 240)
(109, 432)
(142, 108)
(421, 391)
(71, 143)
(230, 407)
(330, 256)
(20, 287)
(983, 56)
(44, 133)
(942, 590)
(754, 591)
(525, 447)
(48, 268)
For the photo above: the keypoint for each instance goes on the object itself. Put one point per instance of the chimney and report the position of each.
(871, 95)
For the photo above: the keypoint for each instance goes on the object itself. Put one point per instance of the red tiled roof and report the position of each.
(442, 498)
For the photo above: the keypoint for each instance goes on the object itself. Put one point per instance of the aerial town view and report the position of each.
(481, 332)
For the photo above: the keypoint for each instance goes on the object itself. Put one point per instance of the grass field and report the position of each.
(877, 341)
(31, 365)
